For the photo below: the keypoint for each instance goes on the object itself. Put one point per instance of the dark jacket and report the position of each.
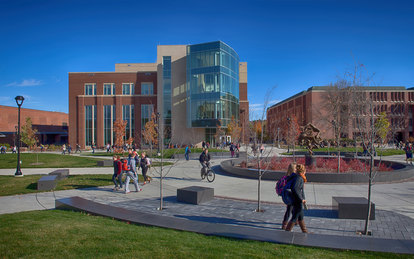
(204, 157)
(297, 188)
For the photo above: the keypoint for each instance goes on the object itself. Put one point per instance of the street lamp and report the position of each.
(19, 100)
(278, 142)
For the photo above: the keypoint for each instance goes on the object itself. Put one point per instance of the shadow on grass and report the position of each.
(32, 186)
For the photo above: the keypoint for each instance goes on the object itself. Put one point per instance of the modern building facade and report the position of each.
(194, 88)
(52, 127)
(308, 107)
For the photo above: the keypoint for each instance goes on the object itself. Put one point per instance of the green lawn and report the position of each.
(45, 160)
(11, 185)
(67, 234)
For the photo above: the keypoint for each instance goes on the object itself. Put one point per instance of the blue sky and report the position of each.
(292, 45)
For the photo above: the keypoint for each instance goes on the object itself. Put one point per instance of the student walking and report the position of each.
(131, 174)
(116, 177)
(408, 152)
(298, 196)
(187, 153)
(145, 163)
(291, 170)
(63, 149)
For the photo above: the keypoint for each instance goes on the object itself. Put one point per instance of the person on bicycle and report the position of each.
(205, 159)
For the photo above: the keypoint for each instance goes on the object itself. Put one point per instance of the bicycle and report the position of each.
(207, 172)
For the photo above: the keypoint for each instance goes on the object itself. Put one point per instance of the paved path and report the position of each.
(236, 200)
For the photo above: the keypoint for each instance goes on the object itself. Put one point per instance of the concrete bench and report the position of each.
(352, 207)
(47, 182)
(195, 194)
(60, 173)
(105, 163)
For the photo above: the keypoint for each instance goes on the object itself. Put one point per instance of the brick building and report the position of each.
(52, 127)
(307, 106)
(194, 88)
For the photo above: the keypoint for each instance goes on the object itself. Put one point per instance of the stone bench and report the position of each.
(352, 207)
(106, 162)
(195, 194)
(47, 182)
(60, 173)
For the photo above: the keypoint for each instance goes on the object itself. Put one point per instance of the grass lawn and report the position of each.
(45, 160)
(67, 234)
(11, 185)
(168, 153)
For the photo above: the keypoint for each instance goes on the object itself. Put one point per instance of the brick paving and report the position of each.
(319, 219)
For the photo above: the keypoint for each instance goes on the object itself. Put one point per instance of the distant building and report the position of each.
(307, 106)
(52, 127)
(195, 88)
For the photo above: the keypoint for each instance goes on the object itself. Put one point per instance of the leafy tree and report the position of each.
(150, 133)
(382, 127)
(234, 130)
(220, 132)
(119, 130)
(28, 134)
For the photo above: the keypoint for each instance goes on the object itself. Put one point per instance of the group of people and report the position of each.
(130, 166)
(295, 179)
(3, 149)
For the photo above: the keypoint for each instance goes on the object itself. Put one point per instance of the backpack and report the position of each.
(287, 195)
(125, 166)
(280, 184)
(148, 161)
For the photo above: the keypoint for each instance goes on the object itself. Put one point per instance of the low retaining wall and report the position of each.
(401, 172)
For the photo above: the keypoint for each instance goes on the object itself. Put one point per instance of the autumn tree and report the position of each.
(382, 127)
(291, 131)
(234, 130)
(150, 133)
(220, 132)
(119, 130)
(28, 134)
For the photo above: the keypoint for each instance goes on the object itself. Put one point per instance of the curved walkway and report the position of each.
(235, 203)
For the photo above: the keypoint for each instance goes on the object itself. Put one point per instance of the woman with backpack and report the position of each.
(298, 196)
(279, 187)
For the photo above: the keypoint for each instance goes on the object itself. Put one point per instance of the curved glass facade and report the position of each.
(212, 85)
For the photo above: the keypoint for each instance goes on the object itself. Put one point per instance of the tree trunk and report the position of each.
(371, 165)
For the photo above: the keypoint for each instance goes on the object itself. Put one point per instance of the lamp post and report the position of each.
(19, 100)
(278, 142)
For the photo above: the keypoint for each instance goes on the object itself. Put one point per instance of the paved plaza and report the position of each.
(236, 199)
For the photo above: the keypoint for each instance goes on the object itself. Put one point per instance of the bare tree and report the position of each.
(362, 107)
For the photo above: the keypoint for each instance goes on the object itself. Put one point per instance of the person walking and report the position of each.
(408, 152)
(117, 172)
(63, 149)
(145, 163)
(232, 150)
(187, 153)
(298, 196)
(131, 174)
(291, 170)
(77, 148)
(93, 148)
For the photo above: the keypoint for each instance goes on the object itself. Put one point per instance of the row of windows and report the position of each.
(109, 116)
(127, 89)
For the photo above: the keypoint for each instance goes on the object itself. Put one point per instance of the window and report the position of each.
(146, 112)
(90, 89)
(147, 89)
(128, 89)
(109, 89)
(90, 125)
(109, 119)
(128, 116)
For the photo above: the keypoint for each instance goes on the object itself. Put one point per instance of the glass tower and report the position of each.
(212, 85)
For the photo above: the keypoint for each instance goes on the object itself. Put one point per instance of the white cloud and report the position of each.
(26, 82)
